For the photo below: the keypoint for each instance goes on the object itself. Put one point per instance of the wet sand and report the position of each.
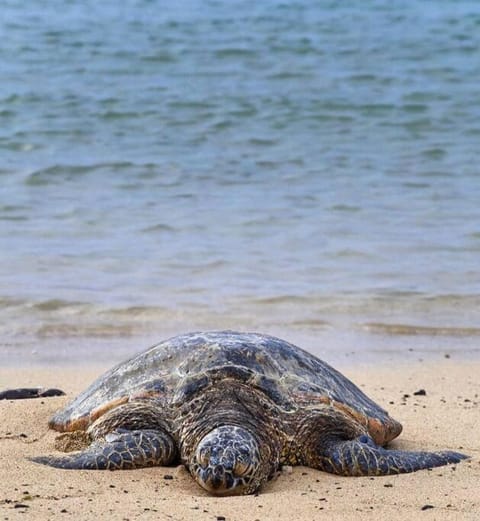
(446, 417)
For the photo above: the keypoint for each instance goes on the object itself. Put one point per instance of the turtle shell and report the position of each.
(175, 370)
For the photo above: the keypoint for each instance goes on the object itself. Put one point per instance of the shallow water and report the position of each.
(299, 169)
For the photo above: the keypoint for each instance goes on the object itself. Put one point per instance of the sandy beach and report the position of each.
(302, 169)
(446, 417)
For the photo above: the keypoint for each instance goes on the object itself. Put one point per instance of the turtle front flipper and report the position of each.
(120, 449)
(362, 457)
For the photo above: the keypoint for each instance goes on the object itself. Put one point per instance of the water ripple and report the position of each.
(290, 165)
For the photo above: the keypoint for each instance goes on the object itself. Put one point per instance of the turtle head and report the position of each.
(228, 461)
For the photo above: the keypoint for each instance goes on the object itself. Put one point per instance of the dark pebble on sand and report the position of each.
(25, 393)
(427, 507)
(420, 392)
(168, 476)
(18, 394)
(220, 518)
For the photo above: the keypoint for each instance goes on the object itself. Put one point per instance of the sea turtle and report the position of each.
(233, 407)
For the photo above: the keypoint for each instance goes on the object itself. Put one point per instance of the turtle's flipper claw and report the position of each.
(362, 457)
(125, 450)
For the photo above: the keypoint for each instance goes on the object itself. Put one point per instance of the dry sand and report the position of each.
(448, 416)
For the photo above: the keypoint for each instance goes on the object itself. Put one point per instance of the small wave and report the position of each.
(9, 302)
(281, 299)
(287, 75)
(435, 153)
(12, 207)
(47, 174)
(191, 104)
(413, 330)
(312, 323)
(43, 306)
(415, 108)
(376, 108)
(84, 330)
(416, 186)
(13, 218)
(234, 52)
(139, 312)
(159, 228)
(6, 113)
(351, 253)
(345, 208)
(117, 114)
(56, 305)
(160, 57)
(19, 146)
(363, 78)
(258, 141)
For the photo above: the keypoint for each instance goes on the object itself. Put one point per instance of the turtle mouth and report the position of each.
(220, 482)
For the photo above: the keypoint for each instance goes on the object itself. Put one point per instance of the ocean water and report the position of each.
(305, 169)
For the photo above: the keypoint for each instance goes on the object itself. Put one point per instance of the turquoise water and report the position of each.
(288, 167)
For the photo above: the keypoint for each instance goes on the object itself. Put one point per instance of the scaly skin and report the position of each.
(120, 450)
(234, 439)
(362, 457)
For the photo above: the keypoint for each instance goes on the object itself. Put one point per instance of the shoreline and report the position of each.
(342, 347)
(446, 417)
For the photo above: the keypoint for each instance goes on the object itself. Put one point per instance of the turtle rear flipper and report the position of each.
(362, 457)
(120, 450)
